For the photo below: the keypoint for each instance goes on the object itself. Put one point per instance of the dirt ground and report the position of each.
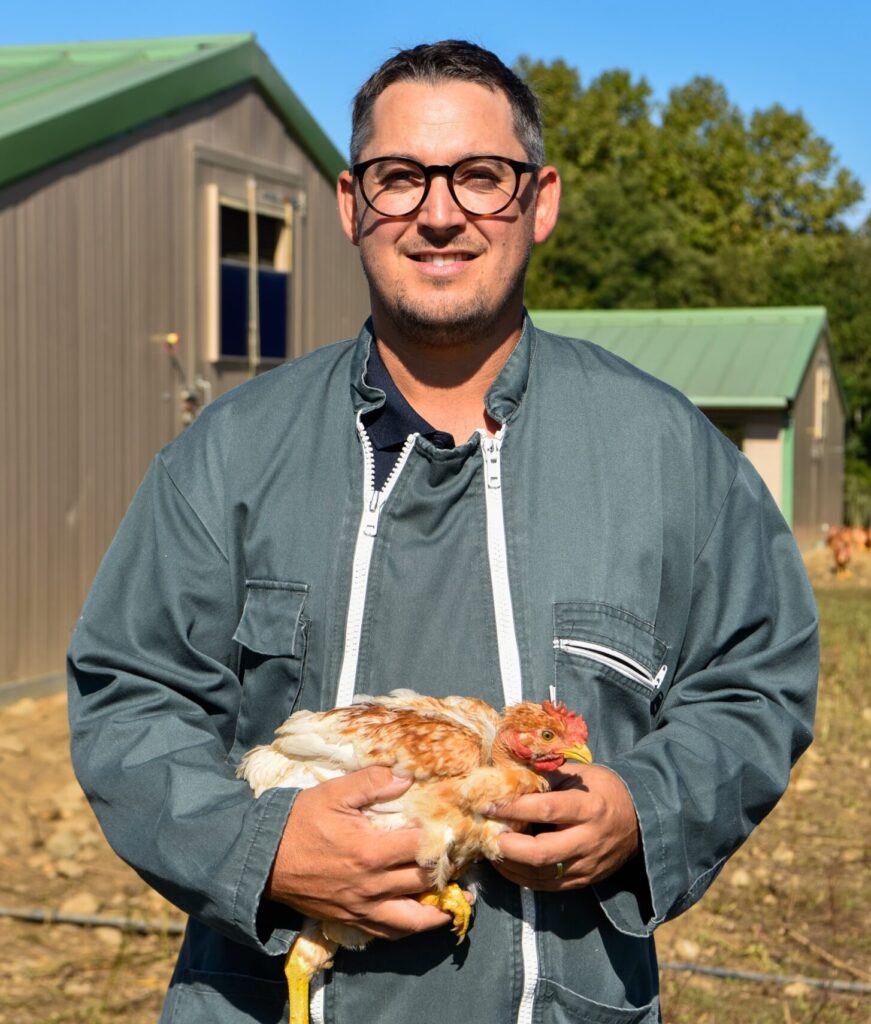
(793, 901)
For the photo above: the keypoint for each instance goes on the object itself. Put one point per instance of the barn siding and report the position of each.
(97, 256)
(818, 466)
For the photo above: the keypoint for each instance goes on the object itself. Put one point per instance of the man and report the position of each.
(458, 503)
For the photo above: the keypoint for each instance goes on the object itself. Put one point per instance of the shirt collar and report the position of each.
(389, 426)
(502, 400)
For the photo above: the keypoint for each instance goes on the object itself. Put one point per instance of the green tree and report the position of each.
(693, 203)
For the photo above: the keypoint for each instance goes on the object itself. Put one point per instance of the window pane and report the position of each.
(234, 309)
(234, 233)
(234, 236)
(272, 289)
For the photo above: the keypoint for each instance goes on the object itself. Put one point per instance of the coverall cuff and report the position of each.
(626, 897)
(270, 926)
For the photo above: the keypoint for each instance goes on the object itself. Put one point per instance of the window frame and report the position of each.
(279, 194)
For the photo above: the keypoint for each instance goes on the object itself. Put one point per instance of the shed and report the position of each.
(168, 227)
(764, 376)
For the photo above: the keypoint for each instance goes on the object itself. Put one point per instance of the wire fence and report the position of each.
(170, 927)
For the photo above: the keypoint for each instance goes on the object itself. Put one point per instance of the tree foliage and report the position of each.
(691, 202)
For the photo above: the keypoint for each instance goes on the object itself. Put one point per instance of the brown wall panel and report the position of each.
(99, 255)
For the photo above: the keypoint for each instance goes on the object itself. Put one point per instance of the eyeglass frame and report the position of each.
(518, 166)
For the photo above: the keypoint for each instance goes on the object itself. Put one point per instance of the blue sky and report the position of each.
(804, 55)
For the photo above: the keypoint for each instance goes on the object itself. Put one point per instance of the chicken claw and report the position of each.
(452, 901)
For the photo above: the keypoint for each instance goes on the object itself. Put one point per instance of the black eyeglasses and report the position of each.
(481, 185)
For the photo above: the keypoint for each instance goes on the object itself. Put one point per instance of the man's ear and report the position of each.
(546, 202)
(346, 194)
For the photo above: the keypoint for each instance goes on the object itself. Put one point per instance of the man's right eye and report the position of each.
(400, 178)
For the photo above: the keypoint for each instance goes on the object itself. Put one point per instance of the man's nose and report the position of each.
(440, 211)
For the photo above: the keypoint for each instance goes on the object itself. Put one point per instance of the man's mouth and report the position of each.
(441, 259)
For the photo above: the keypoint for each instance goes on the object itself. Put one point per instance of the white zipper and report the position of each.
(497, 552)
(316, 998)
(620, 662)
(512, 688)
(373, 503)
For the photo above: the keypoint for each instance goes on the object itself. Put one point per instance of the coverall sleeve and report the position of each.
(152, 701)
(738, 713)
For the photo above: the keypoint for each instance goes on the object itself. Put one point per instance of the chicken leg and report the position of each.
(311, 952)
(452, 901)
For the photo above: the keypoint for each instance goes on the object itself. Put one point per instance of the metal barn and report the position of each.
(168, 227)
(764, 376)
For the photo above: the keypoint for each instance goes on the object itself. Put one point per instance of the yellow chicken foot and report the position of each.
(452, 901)
(297, 989)
(311, 952)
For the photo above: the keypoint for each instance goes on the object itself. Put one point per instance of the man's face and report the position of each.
(441, 275)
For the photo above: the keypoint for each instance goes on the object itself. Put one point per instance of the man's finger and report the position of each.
(406, 880)
(547, 848)
(565, 807)
(396, 918)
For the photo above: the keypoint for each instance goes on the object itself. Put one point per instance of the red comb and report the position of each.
(570, 717)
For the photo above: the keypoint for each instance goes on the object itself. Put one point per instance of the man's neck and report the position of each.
(446, 384)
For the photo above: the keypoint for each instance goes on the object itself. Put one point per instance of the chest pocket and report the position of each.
(272, 635)
(611, 667)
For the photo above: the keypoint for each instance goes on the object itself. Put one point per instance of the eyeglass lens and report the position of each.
(481, 186)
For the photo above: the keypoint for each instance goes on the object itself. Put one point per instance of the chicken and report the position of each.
(840, 540)
(463, 757)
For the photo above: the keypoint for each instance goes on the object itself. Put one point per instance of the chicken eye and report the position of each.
(546, 735)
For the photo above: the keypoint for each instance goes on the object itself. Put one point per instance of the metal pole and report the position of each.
(253, 304)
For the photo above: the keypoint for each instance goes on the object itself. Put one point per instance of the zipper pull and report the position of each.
(492, 468)
(371, 514)
(660, 676)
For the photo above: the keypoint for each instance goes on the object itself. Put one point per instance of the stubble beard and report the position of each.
(445, 321)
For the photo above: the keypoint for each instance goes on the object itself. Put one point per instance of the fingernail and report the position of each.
(402, 773)
(490, 811)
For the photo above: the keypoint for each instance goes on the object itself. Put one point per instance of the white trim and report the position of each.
(497, 552)
(373, 502)
(512, 679)
(316, 989)
(529, 952)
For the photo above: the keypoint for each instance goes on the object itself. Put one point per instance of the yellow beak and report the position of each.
(578, 752)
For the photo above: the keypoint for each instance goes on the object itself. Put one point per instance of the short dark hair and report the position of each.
(450, 60)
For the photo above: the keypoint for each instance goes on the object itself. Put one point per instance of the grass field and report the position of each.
(794, 900)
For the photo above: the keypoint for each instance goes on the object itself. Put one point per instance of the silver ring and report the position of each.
(560, 870)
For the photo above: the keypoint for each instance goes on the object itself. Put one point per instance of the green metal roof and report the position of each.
(57, 100)
(719, 358)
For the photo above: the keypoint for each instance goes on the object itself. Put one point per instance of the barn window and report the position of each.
(249, 298)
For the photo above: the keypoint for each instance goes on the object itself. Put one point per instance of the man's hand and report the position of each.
(595, 831)
(332, 862)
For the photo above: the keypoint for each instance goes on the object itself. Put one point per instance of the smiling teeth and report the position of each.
(441, 261)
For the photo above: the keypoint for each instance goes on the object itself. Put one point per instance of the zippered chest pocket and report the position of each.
(610, 666)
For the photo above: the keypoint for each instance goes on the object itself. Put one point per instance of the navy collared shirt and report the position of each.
(388, 427)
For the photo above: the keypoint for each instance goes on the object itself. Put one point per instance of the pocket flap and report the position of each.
(272, 616)
(611, 627)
